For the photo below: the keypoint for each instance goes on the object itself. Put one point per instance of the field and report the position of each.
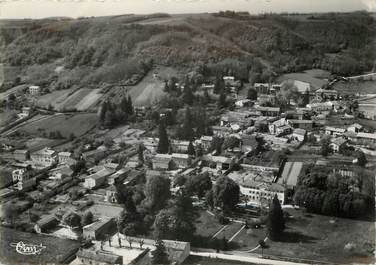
(105, 210)
(39, 143)
(361, 87)
(317, 237)
(78, 124)
(81, 99)
(148, 91)
(57, 250)
(316, 77)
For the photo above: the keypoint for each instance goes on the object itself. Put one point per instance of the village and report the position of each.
(251, 151)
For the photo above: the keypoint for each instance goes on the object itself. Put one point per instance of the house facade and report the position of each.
(45, 157)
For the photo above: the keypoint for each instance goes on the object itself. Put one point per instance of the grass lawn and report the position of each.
(207, 225)
(105, 210)
(78, 124)
(57, 250)
(314, 237)
(362, 87)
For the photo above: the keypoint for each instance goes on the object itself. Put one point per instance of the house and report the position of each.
(329, 130)
(24, 177)
(240, 118)
(355, 128)
(179, 146)
(269, 111)
(206, 142)
(97, 179)
(366, 138)
(150, 144)
(299, 134)
(162, 161)
(297, 114)
(61, 172)
(220, 162)
(248, 143)
(34, 90)
(111, 166)
(100, 229)
(336, 143)
(302, 124)
(291, 172)
(21, 155)
(259, 192)
(326, 93)
(65, 158)
(24, 113)
(91, 156)
(221, 131)
(45, 157)
(181, 160)
(46, 223)
(243, 103)
(97, 257)
(368, 110)
(262, 88)
(111, 194)
(118, 176)
(320, 106)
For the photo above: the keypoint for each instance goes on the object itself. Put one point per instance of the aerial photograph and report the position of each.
(187, 132)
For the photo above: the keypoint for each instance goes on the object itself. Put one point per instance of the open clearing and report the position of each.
(317, 237)
(351, 87)
(78, 124)
(81, 99)
(316, 77)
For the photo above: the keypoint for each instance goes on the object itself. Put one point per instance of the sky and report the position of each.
(77, 8)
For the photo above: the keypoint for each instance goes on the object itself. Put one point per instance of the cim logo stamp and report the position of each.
(27, 249)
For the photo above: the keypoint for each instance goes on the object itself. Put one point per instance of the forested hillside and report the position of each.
(88, 51)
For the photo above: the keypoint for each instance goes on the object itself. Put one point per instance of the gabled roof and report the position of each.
(44, 151)
(339, 141)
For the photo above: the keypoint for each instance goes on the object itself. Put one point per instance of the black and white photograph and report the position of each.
(187, 132)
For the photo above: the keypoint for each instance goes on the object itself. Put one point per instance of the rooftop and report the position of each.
(100, 256)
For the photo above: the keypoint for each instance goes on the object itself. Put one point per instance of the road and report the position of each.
(252, 259)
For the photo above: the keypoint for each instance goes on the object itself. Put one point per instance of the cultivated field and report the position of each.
(81, 99)
(78, 124)
(316, 77)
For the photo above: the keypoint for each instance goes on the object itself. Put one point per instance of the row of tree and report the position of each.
(111, 114)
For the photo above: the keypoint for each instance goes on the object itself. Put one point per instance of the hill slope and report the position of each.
(88, 51)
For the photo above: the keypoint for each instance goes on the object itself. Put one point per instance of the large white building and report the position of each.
(44, 157)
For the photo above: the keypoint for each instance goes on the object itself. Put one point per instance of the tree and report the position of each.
(129, 109)
(231, 142)
(72, 219)
(186, 131)
(157, 192)
(163, 144)
(199, 184)
(87, 218)
(178, 221)
(159, 255)
(191, 150)
(222, 100)
(362, 160)
(325, 147)
(188, 95)
(219, 84)
(140, 153)
(275, 222)
(225, 193)
(252, 94)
